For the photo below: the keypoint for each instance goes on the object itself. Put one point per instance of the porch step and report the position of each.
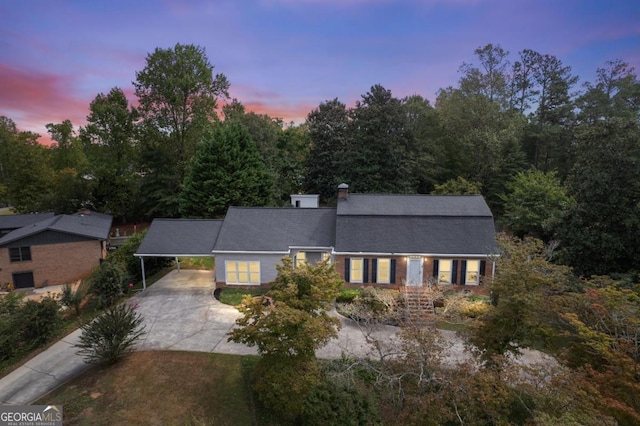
(419, 306)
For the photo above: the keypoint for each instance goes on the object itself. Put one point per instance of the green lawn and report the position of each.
(206, 263)
(233, 296)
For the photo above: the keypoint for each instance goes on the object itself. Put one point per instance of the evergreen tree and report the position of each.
(600, 234)
(226, 170)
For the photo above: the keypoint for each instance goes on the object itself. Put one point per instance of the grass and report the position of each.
(233, 296)
(158, 387)
(207, 263)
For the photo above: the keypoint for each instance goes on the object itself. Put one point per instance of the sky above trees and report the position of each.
(285, 57)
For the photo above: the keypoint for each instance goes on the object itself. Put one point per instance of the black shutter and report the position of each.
(365, 270)
(436, 268)
(347, 269)
(454, 272)
(392, 273)
(463, 273)
(374, 270)
(483, 268)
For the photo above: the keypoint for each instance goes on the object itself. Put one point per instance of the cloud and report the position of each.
(34, 98)
(287, 112)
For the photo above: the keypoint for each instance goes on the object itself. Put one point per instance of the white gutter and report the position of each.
(248, 252)
(360, 253)
(169, 255)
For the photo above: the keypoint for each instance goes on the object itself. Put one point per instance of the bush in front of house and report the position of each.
(333, 404)
(9, 325)
(112, 335)
(26, 325)
(124, 255)
(348, 295)
(71, 298)
(108, 282)
(473, 308)
(39, 321)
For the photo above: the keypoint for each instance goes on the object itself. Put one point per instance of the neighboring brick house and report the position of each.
(55, 250)
(381, 240)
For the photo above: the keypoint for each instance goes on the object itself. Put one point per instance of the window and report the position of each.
(19, 254)
(473, 272)
(242, 272)
(325, 256)
(383, 271)
(355, 271)
(444, 272)
(300, 259)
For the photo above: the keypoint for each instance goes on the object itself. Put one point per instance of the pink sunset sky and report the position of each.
(285, 57)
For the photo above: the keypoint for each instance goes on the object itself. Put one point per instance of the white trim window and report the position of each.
(242, 272)
(383, 271)
(444, 271)
(300, 259)
(355, 270)
(472, 275)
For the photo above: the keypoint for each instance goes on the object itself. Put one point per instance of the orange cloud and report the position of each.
(34, 98)
(296, 113)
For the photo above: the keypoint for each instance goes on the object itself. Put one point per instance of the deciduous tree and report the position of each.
(110, 141)
(178, 94)
(287, 326)
(534, 204)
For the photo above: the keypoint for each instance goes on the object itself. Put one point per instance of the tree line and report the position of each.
(554, 159)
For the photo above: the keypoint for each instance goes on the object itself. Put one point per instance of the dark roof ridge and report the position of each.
(281, 208)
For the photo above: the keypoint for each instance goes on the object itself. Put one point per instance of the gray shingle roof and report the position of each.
(168, 237)
(420, 235)
(16, 221)
(414, 205)
(94, 226)
(276, 229)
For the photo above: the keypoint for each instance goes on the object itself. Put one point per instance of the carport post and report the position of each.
(178, 263)
(144, 278)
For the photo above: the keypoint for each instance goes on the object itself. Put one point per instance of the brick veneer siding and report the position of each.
(55, 264)
(401, 270)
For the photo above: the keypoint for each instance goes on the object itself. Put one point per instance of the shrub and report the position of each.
(108, 282)
(73, 298)
(473, 309)
(9, 330)
(112, 335)
(330, 404)
(124, 255)
(348, 295)
(39, 321)
(284, 383)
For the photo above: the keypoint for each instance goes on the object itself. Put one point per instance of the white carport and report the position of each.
(178, 238)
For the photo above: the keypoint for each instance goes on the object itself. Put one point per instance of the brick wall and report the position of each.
(401, 270)
(55, 264)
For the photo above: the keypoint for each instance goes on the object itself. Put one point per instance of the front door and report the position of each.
(23, 280)
(414, 271)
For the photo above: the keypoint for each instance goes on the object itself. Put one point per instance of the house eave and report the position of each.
(452, 255)
(171, 255)
(214, 252)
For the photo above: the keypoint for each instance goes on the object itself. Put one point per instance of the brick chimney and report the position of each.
(343, 191)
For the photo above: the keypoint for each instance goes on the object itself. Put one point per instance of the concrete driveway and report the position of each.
(180, 313)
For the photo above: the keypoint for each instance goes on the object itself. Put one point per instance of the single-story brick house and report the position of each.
(382, 240)
(50, 249)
